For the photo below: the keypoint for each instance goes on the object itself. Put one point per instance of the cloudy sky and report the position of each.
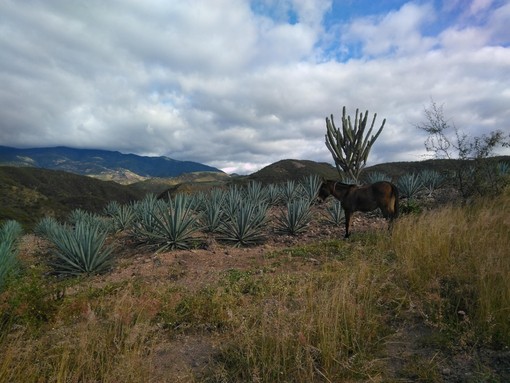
(240, 84)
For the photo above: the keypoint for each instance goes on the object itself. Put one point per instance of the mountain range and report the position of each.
(102, 164)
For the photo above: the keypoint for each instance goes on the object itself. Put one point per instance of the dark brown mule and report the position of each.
(382, 195)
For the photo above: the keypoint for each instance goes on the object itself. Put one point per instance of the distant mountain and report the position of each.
(104, 164)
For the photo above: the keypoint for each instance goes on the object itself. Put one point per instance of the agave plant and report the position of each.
(409, 185)
(145, 212)
(79, 215)
(174, 226)
(10, 232)
(310, 187)
(46, 226)
(122, 216)
(290, 190)
(335, 213)
(233, 199)
(503, 168)
(375, 176)
(245, 225)
(80, 249)
(213, 211)
(431, 180)
(256, 193)
(274, 194)
(296, 218)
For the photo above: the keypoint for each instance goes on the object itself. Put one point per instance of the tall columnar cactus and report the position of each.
(350, 145)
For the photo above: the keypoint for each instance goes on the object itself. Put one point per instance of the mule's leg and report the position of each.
(347, 223)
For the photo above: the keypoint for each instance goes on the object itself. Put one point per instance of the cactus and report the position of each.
(350, 145)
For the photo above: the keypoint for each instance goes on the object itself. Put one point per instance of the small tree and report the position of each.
(350, 145)
(447, 141)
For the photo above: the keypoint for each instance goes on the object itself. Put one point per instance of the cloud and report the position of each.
(238, 84)
(397, 32)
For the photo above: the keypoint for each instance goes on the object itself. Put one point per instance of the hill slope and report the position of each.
(100, 163)
(28, 194)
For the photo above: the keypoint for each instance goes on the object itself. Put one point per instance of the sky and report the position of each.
(240, 84)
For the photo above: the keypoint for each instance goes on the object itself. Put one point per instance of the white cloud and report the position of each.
(398, 32)
(239, 87)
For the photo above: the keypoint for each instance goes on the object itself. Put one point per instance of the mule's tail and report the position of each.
(395, 201)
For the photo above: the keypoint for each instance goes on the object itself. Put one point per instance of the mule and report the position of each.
(382, 195)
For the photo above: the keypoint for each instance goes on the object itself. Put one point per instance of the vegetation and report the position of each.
(351, 145)
(280, 319)
(322, 310)
(10, 231)
(296, 218)
(445, 140)
(79, 248)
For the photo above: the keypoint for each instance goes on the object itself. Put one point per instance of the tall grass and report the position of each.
(457, 258)
(315, 328)
(107, 339)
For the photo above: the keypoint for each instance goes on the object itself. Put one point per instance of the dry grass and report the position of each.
(310, 313)
(457, 261)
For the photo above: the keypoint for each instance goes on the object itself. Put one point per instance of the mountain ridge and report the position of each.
(102, 164)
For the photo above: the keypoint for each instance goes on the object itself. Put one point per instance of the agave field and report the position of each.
(254, 284)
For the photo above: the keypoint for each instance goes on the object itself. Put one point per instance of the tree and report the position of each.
(445, 140)
(350, 145)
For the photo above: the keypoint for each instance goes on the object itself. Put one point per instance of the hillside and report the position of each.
(292, 169)
(28, 194)
(103, 164)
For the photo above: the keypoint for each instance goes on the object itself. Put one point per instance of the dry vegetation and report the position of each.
(429, 302)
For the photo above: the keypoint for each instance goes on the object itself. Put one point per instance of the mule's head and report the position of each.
(324, 192)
